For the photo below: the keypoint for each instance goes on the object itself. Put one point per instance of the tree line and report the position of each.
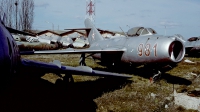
(19, 14)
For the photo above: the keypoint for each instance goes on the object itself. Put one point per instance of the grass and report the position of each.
(135, 95)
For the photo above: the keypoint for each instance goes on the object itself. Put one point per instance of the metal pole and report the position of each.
(52, 24)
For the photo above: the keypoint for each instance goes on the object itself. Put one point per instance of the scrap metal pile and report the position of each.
(49, 42)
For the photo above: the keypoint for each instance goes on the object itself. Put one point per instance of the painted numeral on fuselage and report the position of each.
(145, 49)
(155, 50)
(140, 49)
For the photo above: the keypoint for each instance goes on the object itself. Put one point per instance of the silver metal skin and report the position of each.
(192, 46)
(141, 49)
(145, 48)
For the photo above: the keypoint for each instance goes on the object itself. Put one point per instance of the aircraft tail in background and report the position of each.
(93, 34)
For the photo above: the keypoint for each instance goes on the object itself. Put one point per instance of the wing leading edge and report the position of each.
(80, 70)
(73, 51)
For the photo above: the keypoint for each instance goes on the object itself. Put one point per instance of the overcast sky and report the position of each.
(178, 16)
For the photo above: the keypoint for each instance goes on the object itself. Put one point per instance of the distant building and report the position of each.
(49, 34)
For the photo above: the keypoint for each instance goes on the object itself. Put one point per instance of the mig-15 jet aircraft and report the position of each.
(155, 50)
(11, 61)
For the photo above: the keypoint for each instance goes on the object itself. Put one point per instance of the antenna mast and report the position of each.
(90, 9)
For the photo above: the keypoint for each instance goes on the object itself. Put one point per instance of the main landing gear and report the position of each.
(82, 60)
(156, 77)
(65, 80)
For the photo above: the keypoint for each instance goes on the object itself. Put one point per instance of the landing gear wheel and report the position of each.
(156, 77)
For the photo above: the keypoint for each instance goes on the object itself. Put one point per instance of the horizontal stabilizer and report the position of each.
(84, 70)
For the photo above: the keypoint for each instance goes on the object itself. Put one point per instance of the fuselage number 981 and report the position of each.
(146, 50)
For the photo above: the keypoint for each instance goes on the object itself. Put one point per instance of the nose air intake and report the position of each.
(176, 51)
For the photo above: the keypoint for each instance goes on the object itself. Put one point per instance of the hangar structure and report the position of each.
(69, 33)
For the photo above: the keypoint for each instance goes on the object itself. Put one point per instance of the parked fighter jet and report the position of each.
(10, 61)
(156, 50)
(192, 46)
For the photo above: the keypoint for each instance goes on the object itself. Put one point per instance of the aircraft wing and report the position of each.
(101, 30)
(78, 29)
(74, 51)
(56, 67)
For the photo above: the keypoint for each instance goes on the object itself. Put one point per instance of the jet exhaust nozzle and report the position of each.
(176, 51)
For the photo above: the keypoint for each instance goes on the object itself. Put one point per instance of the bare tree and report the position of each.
(26, 14)
(10, 12)
(7, 8)
(2, 8)
(19, 13)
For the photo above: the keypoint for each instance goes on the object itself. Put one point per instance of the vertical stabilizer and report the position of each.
(94, 34)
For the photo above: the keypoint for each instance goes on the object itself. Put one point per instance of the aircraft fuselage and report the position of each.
(142, 49)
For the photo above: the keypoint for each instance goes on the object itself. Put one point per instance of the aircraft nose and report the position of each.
(176, 51)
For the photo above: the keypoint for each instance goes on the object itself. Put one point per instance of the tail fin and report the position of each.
(94, 34)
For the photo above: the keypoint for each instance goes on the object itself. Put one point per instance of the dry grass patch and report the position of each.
(139, 95)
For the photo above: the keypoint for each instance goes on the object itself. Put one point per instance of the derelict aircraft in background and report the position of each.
(10, 61)
(192, 46)
(156, 50)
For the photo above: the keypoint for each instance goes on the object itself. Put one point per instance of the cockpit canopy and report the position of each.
(139, 31)
(193, 39)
